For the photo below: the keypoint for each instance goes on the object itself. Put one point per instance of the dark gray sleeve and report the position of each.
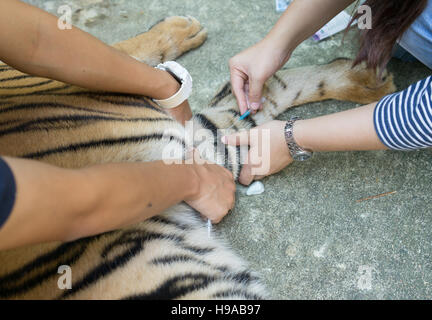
(7, 191)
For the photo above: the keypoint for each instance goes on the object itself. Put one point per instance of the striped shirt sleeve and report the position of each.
(403, 120)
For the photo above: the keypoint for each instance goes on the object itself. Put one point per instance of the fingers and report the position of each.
(247, 92)
(225, 204)
(255, 93)
(238, 139)
(216, 192)
(246, 176)
(238, 80)
(231, 199)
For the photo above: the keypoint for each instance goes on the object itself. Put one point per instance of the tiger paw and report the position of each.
(183, 34)
(166, 40)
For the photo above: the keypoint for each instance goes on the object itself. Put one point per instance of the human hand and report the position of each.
(182, 113)
(216, 192)
(260, 164)
(251, 68)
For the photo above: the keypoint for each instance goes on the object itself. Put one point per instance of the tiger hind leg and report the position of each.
(336, 80)
(293, 87)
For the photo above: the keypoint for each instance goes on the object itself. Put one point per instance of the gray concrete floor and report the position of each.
(306, 234)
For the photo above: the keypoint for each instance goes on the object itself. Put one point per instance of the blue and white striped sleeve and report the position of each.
(403, 120)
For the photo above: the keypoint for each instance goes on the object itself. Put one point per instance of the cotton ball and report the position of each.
(255, 188)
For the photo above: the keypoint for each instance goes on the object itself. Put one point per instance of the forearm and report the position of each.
(132, 192)
(351, 130)
(34, 44)
(301, 20)
(54, 204)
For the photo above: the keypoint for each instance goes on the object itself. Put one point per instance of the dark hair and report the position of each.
(390, 19)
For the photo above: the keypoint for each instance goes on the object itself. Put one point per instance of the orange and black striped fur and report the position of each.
(169, 256)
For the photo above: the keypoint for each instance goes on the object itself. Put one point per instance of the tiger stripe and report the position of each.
(33, 85)
(101, 143)
(63, 121)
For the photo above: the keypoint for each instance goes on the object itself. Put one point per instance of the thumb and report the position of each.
(255, 93)
(237, 139)
(246, 176)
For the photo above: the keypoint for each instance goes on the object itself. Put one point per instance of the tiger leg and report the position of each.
(337, 80)
(166, 40)
(293, 87)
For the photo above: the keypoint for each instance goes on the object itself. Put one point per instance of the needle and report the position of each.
(209, 227)
(242, 117)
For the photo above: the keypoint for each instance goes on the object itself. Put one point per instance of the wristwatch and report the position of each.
(185, 80)
(297, 153)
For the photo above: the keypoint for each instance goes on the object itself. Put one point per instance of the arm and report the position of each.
(256, 64)
(300, 21)
(400, 121)
(349, 130)
(54, 204)
(33, 44)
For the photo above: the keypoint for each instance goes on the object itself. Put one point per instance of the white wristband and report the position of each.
(185, 90)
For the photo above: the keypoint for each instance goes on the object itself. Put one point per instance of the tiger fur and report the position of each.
(169, 256)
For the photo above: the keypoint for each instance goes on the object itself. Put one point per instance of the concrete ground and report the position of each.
(306, 234)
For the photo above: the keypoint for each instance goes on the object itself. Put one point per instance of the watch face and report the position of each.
(302, 156)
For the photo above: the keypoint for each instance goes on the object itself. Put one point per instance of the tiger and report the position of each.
(171, 255)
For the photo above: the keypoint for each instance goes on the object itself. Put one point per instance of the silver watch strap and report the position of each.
(297, 153)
